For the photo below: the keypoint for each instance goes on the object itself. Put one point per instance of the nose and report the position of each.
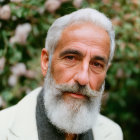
(82, 75)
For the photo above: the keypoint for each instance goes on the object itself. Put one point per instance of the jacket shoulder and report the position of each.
(10, 115)
(106, 129)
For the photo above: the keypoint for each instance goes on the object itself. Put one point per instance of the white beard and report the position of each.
(75, 117)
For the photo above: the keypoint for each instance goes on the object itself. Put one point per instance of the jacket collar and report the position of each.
(24, 124)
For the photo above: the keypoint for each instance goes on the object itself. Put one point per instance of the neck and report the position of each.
(70, 136)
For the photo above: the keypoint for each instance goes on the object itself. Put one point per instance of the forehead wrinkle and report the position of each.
(74, 29)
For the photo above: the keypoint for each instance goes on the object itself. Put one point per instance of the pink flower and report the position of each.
(5, 12)
(30, 74)
(120, 73)
(12, 81)
(21, 34)
(77, 3)
(19, 69)
(52, 5)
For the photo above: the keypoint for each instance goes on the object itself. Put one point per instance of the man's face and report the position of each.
(81, 56)
(74, 82)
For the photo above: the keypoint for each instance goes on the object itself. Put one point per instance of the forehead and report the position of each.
(88, 34)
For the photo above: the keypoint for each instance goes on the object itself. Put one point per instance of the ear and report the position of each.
(44, 61)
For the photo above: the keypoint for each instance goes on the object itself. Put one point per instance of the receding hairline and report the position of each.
(79, 25)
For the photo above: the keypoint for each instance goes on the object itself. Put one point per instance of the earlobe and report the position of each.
(44, 61)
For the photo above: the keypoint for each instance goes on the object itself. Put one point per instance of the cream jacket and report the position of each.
(19, 122)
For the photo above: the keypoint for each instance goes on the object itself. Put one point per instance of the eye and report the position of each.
(96, 64)
(70, 60)
(70, 57)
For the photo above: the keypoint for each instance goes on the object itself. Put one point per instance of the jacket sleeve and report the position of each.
(106, 129)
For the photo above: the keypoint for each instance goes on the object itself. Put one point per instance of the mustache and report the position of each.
(77, 88)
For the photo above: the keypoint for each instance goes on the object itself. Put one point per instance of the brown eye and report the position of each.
(97, 67)
(70, 60)
(70, 57)
(97, 64)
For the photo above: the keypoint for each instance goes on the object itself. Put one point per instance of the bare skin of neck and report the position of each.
(70, 136)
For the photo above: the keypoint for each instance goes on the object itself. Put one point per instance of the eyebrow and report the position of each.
(70, 51)
(103, 59)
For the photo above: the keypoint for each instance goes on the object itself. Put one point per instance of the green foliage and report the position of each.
(123, 78)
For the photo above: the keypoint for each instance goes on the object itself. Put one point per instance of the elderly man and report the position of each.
(79, 49)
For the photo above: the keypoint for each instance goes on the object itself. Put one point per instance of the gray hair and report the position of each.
(82, 15)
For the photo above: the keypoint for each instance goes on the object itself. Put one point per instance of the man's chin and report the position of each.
(73, 105)
(72, 116)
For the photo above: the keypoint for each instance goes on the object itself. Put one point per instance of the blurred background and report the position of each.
(23, 28)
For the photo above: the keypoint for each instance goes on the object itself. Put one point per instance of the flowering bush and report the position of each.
(23, 28)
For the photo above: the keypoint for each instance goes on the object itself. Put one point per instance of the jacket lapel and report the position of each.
(24, 124)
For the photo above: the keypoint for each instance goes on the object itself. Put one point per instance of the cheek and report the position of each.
(62, 74)
(96, 81)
